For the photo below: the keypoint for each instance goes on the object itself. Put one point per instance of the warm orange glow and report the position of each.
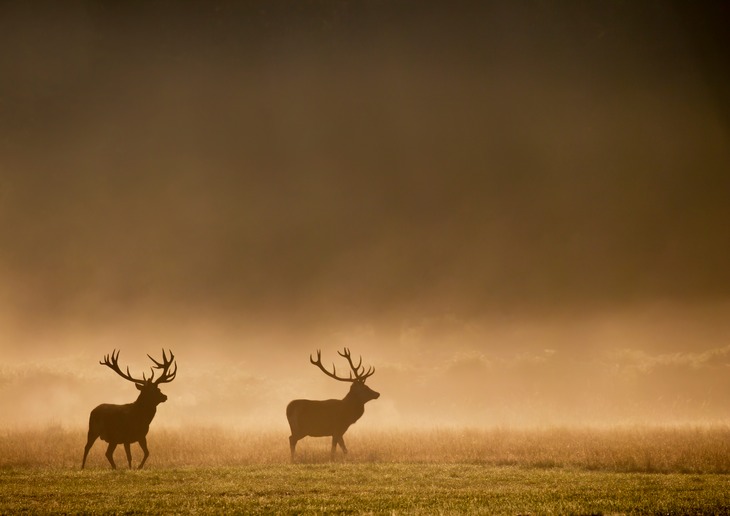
(517, 213)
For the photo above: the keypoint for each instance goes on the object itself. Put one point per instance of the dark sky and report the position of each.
(342, 164)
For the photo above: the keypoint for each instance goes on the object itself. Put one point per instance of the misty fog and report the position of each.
(516, 212)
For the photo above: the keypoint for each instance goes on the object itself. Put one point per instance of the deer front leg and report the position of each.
(143, 445)
(128, 451)
(110, 454)
(337, 439)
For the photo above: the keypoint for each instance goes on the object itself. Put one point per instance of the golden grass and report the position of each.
(701, 449)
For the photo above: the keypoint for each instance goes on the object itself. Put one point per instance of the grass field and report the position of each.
(561, 470)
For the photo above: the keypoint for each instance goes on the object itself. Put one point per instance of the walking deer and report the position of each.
(127, 424)
(320, 418)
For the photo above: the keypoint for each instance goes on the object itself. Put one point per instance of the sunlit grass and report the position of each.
(701, 449)
(405, 488)
(674, 470)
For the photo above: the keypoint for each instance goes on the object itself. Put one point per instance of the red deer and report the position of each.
(320, 418)
(127, 424)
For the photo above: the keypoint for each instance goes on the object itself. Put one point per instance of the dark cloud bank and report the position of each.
(255, 180)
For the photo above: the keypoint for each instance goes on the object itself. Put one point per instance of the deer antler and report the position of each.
(167, 375)
(112, 362)
(359, 375)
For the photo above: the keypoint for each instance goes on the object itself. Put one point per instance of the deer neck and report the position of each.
(145, 408)
(355, 404)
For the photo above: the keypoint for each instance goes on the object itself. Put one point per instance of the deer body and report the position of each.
(121, 424)
(323, 418)
(129, 423)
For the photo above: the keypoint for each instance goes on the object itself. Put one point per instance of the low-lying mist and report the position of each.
(656, 367)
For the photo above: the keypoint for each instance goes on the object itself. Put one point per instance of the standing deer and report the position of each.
(317, 418)
(127, 424)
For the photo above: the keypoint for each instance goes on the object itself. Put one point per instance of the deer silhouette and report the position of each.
(127, 424)
(320, 418)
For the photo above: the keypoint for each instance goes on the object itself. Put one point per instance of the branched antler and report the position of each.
(112, 362)
(359, 372)
(167, 375)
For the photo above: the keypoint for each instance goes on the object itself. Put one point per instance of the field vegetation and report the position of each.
(454, 470)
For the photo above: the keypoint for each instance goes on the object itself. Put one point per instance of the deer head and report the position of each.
(357, 375)
(148, 387)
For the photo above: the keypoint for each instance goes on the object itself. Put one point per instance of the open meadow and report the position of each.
(674, 470)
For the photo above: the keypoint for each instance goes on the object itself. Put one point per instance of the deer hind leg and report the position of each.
(89, 443)
(341, 442)
(335, 440)
(143, 445)
(292, 445)
(128, 451)
(110, 454)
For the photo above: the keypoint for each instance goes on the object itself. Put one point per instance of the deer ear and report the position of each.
(139, 386)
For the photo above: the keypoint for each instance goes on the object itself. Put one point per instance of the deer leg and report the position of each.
(128, 451)
(110, 454)
(143, 445)
(89, 443)
(292, 445)
(334, 445)
(341, 442)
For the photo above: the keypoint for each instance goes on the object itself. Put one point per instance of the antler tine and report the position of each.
(152, 375)
(346, 353)
(113, 358)
(333, 374)
(167, 375)
(359, 370)
(112, 362)
(368, 374)
(164, 359)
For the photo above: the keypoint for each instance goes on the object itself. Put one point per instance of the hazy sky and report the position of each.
(517, 212)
